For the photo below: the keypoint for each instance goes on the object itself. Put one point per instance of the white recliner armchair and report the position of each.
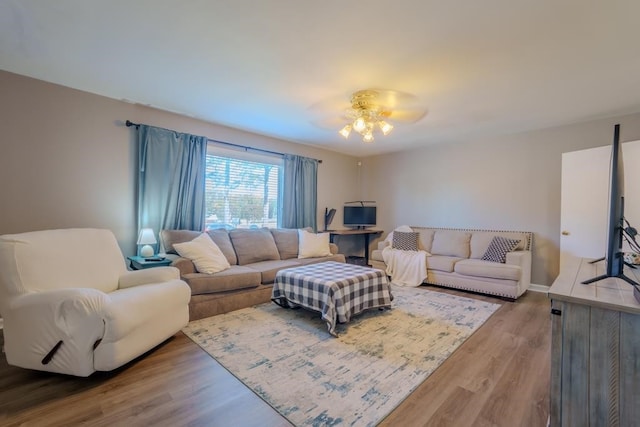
(70, 305)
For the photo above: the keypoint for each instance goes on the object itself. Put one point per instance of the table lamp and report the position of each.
(146, 238)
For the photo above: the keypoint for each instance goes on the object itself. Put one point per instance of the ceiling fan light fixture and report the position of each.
(385, 127)
(370, 110)
(345, 131)
(359, 124)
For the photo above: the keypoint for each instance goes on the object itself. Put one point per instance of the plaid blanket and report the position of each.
(336, 290)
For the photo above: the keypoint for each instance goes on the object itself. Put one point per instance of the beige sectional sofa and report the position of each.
(255, 256)
(456, 260)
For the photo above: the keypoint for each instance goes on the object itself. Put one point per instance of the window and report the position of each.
(242, 189)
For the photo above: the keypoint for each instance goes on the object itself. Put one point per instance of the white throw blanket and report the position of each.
(406, 268)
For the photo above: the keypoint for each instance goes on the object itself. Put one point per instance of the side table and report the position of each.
(140, 263)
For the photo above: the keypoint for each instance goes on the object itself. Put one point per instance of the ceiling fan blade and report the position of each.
(382, 97)
(393, 98)
(407, 116)
(335, 112)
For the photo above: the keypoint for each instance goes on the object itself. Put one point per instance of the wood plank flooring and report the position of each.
(498, 377)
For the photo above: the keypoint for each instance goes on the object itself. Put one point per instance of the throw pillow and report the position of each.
(405, 241)
(498, 248)
(404, 228)
(313, 245)
(205, 254)
(169, 237)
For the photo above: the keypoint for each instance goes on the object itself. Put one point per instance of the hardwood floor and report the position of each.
(498, 377)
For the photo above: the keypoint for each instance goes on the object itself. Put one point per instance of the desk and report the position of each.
(595, 376)
(355, 232)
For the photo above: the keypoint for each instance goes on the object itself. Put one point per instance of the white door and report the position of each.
(585, 198)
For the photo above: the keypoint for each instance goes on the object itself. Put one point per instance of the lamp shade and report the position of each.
(146, 238)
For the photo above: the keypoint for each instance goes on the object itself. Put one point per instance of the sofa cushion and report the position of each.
(206, 255)
(442, 263)
(286, 241)
(451, 243)
(169, 237)
(480, 241)
(268, 269)
(405, 241)
(494, 270)
(234, 278)
(312, 245)
(497, 250)
(254, 245)
(425, 239)
(221, 238)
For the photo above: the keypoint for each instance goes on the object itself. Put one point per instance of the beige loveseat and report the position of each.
(456, 260)
(255, 255)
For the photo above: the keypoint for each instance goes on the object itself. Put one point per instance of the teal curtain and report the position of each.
(299, 192)
(171, 179)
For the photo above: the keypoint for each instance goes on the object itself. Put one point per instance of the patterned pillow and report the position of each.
(498, 248)
(405, 241)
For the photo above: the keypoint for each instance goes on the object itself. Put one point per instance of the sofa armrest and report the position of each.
(184, 265)
(522, 259)
(35, 323)
(333, 248)
(383, 244)
(148, 275)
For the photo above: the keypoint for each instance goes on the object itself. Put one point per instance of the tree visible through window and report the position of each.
(241, 193)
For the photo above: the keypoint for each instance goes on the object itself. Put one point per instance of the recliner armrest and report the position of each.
(36, 322)
(146, 276)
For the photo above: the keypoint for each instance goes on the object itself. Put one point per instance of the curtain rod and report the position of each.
(129, 123)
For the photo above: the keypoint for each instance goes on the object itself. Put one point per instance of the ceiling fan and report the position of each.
(369, 110)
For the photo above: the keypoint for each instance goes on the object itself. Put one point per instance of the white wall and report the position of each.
(509, 182)
(67, 160)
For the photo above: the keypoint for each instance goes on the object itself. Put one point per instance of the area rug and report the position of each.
(289, 359)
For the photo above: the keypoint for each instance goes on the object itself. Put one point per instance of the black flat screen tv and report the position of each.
(359, 216)
(614, 255)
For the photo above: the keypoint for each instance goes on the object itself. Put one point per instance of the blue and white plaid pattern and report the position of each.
(336, 290)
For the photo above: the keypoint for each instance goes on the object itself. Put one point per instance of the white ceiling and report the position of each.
(481, 68)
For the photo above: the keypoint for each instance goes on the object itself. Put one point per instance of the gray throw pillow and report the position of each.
(498, 248)
(405, 241)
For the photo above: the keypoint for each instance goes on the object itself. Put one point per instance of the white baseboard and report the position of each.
(538, 288)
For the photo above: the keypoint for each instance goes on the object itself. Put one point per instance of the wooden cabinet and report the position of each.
(595, 349)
